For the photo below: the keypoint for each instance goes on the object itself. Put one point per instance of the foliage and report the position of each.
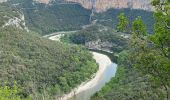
(46, 19)
(123, 23)
(110, 17)
(139, 27)
(42, 67)
(8, 93)
(147, 74)
(129, 84)
(151, 54)
(7, 12)
(98, 33)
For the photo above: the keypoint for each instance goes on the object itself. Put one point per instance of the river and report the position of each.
(106, 71)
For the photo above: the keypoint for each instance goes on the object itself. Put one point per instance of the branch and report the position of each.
(167, 26)
(162, 49)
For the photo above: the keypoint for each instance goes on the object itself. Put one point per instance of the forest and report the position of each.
(144, 68)
(37, 64)
(98, 32)
(109, 18)
(8, 11)
(31, 66)
(46, 19)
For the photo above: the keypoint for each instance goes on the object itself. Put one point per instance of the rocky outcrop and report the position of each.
(3, 1)
(100, 45)
(103, 5)
(43, 1)
(39, 1)
(18, 22)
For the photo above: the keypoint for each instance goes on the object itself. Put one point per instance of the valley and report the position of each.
(106, 71)
(84, 50)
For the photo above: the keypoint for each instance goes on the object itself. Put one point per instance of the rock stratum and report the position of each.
(3, 1)
(103, 5)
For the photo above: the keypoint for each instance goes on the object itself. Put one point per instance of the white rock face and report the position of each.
(42, 1)
(103, 5)
(18, 22)
(3, 1)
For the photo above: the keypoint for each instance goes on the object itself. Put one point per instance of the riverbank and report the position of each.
(98, 80)
(104, 62)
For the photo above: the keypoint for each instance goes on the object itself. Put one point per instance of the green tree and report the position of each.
(139, 27)
(151, 54)
(123, 23)
(8, 93)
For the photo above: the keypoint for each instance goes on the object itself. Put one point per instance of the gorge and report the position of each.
(84, 50)
(107, 70)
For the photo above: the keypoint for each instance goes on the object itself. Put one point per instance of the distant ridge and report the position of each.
(103, 5)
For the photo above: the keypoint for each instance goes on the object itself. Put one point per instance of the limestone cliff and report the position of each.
(43, 1)
(2, 1)
(103, 5)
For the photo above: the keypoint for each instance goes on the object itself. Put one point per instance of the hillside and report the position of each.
(63, 16)
(110, 17)
(37, 64)
(129, 32)
(98, 37)
(11, 16)
(46, 19)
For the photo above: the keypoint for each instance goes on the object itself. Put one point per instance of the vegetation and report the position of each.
(45, 69)
(129, 84)
(146, 74)
(110, 17)
(46, 19)
(98, 33)
(41, 67)
(123, 24)
(7, 12)
(151, 54)
(8, 93)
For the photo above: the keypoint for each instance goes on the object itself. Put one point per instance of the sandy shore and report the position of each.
(103, 62)
(56, 37)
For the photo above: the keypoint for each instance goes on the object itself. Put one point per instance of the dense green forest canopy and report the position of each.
(37, 63)
(46, 19)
